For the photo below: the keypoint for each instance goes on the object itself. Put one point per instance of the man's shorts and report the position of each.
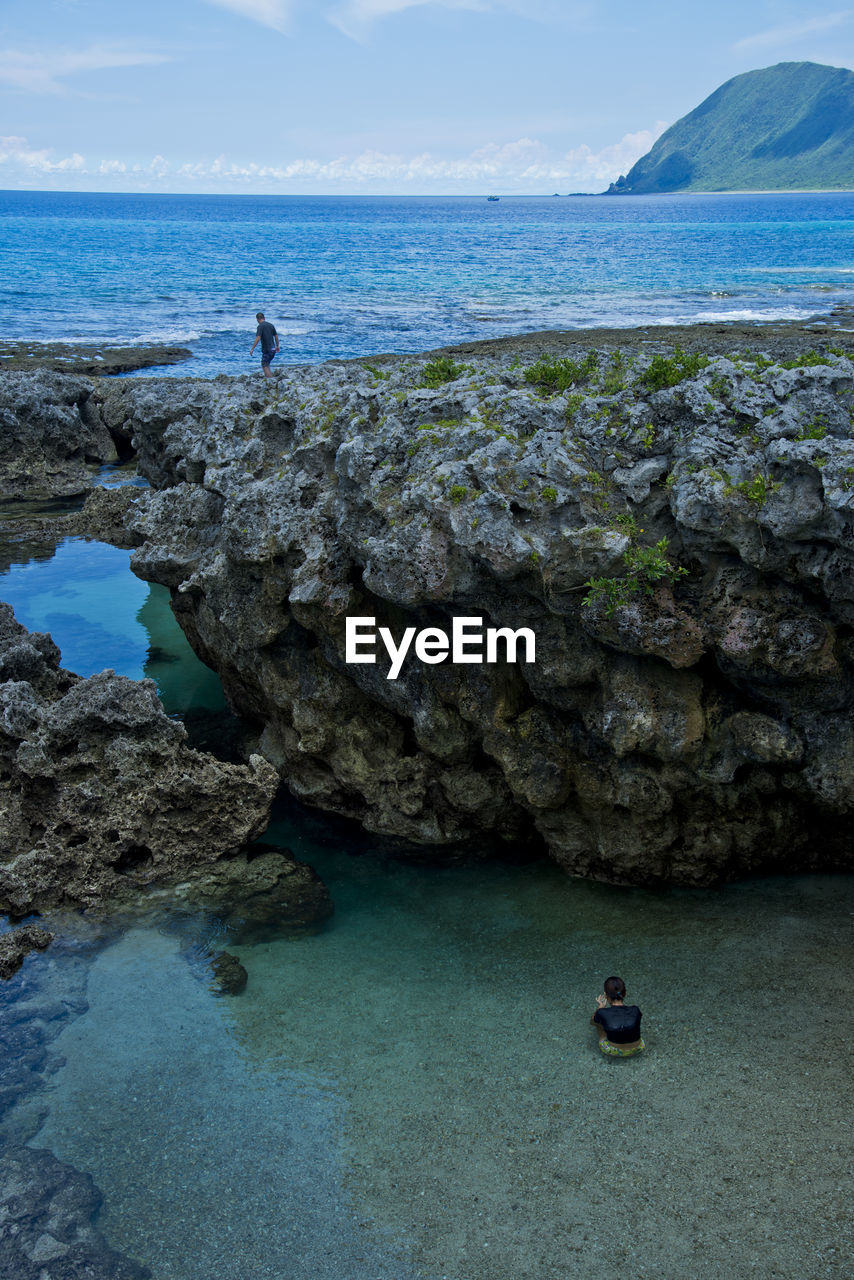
(618, 1050)
(266, 357)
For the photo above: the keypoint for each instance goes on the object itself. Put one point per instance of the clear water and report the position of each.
(85, 596)
(342, 276)
(414, 1091)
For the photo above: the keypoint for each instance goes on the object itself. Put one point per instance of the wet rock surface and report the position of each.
(99, 794)
(102, 517)
(96, 361)
(229, 975)
(17, 945)
(47, 1231)
(687, 720)
(48, 1209)
(271, 887)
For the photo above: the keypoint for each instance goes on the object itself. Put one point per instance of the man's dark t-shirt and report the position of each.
(621, 1022)
(268, 335)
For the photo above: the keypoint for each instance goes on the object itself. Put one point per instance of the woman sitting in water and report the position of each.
(617, 1024)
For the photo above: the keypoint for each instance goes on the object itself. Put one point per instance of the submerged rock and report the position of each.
(229, 975)
(270, 888)
(99, 794)
(47, 1215)
(17, 945)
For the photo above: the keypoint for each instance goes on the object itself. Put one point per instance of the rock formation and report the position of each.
(81, 357)
(675, 530)
(99, 793)
(269, 888)
(49, 434)
(229, 977)
(686, 719)
(16, 945)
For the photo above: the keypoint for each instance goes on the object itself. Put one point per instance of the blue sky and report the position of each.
(371, 96)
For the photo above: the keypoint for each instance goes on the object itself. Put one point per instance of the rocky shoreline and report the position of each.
(672, 523)
(105, 807)
(92, 360)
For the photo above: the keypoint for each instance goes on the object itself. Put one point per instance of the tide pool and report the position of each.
(414, 1092)
(85, 596)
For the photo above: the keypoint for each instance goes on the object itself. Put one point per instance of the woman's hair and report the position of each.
(615, 988)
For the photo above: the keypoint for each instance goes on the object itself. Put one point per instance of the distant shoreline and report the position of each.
(421, 195)
(738, 191)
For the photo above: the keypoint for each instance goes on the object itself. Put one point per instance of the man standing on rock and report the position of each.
(269, 339)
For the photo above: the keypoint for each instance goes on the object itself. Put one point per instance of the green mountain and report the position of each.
(784, 128)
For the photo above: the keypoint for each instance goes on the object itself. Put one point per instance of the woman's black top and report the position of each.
(621, 1022)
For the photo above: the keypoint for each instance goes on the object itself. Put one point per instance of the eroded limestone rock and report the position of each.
(99, 793)
(50, 430)
(16, 945)
(693, 728)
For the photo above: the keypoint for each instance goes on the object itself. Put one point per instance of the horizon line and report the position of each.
(422, 195)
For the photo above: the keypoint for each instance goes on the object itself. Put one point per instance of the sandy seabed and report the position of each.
(415, 1092)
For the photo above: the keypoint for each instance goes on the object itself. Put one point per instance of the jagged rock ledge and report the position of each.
(697, 731)
(693, 729)
(87, 358)
(101, 799)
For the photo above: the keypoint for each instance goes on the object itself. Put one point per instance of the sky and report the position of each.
(371, 96)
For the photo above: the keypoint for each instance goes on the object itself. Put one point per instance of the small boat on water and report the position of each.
(493, 197)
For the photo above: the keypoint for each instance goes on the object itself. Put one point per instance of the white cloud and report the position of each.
(793, 32)
(16, 153)
(615, 159)
(356, 16)
(44, 72)
(523, 165)
(20, 160)
(270, 13)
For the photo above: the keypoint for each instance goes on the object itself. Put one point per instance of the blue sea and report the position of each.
(347, 276)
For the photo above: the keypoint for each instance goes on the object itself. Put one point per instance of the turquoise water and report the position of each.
(343, 276)
(414, 1091)
(100, 615)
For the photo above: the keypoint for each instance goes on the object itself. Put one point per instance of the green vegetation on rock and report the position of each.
(441, 370)
(667, 371)
(559, 375)
(645, 566)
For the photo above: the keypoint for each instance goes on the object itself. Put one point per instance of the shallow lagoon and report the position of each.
(415, 1091)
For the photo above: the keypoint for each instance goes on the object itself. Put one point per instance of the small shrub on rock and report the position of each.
(667, 371)
(441, 370)
(559, 375)
(646, 566)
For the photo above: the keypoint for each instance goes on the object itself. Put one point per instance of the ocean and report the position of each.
(354, 276)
